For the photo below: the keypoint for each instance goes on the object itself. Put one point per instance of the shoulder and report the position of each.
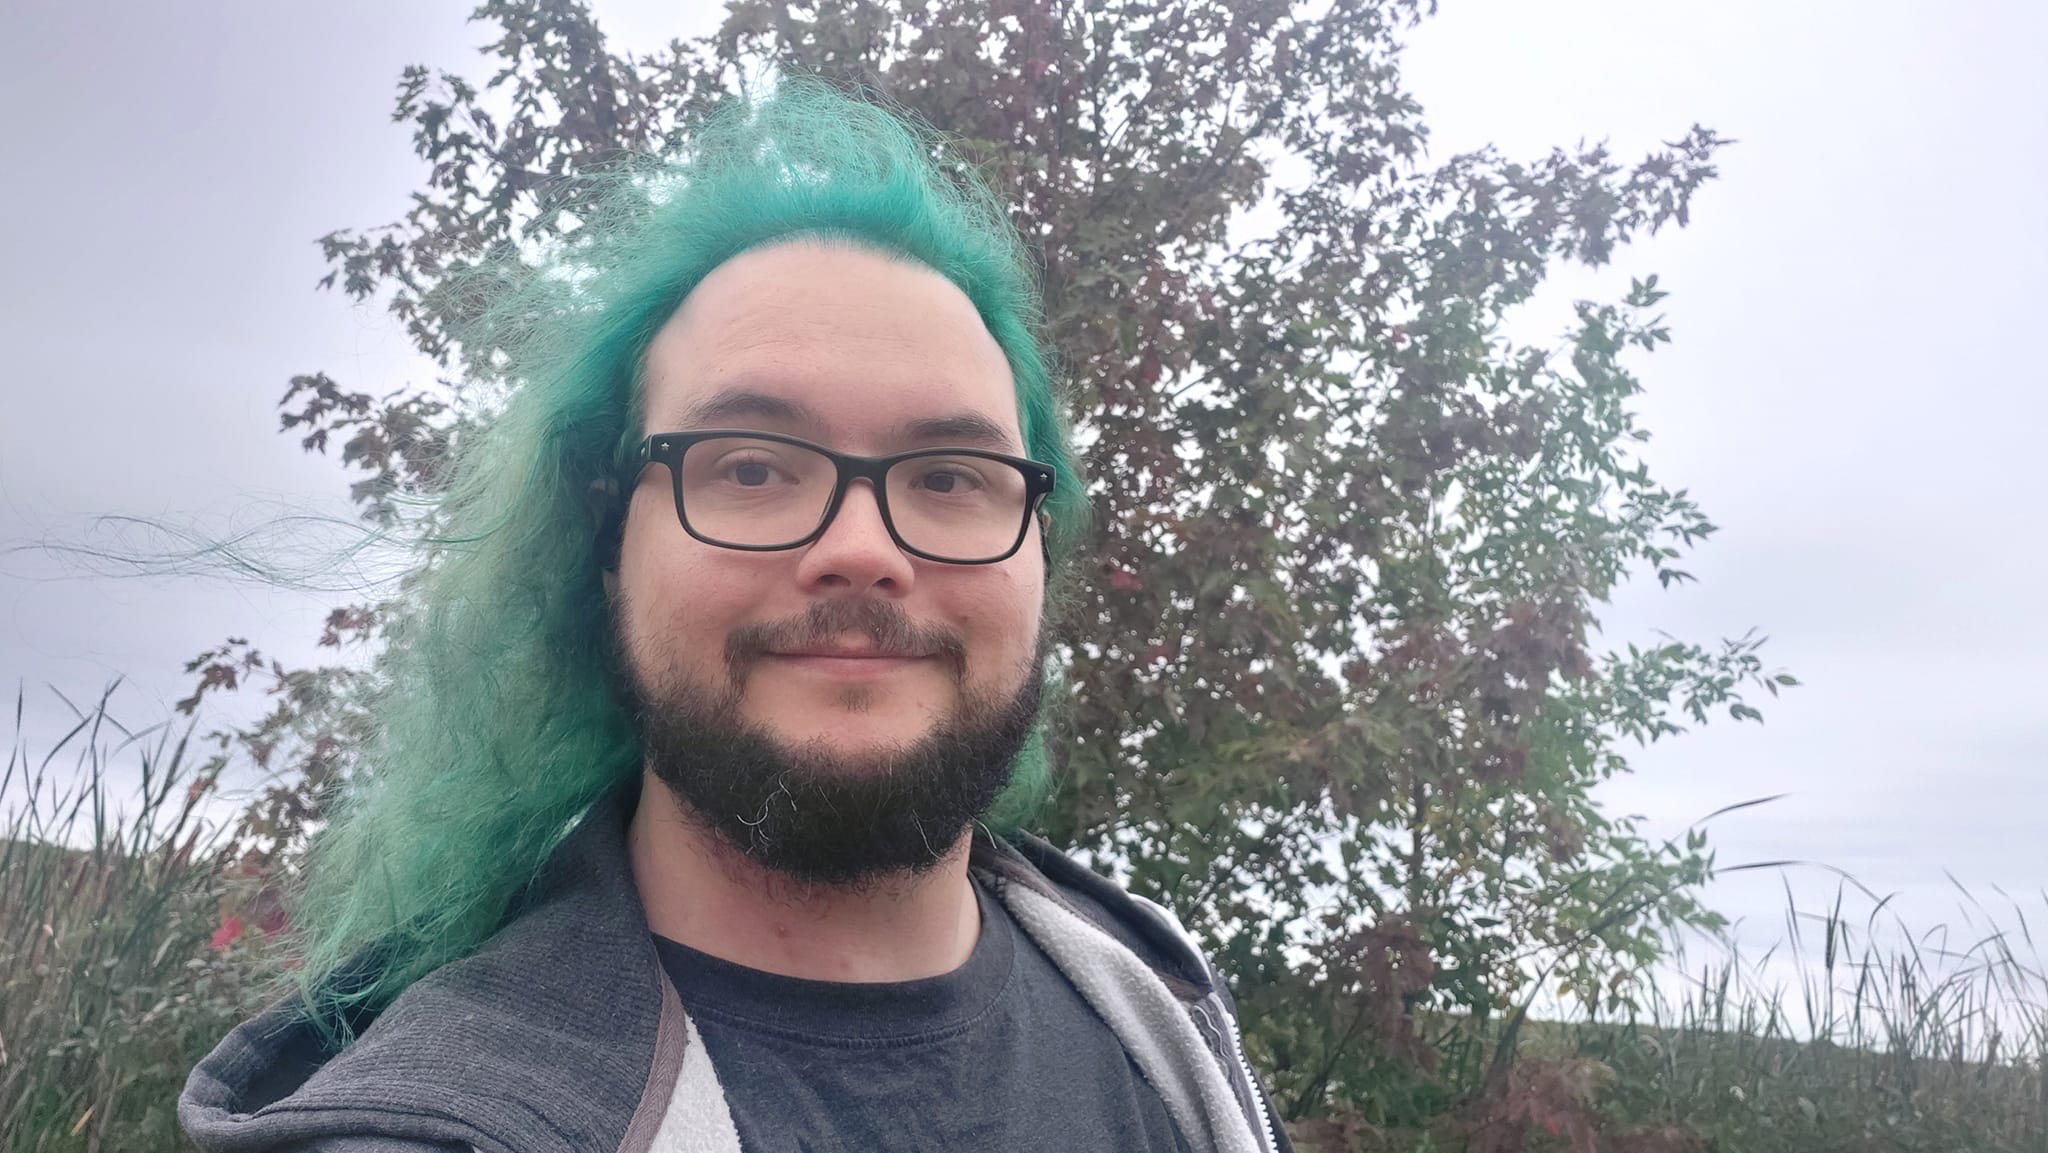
(552, 1031)
(1143, 927)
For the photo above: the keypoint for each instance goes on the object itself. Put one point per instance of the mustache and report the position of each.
(888, 628)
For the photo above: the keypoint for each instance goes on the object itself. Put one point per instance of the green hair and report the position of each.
(499, 718)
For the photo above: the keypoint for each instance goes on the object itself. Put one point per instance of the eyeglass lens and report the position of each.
(764, 493)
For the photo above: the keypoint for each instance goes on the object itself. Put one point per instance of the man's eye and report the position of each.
(949, 480)
(754, 470)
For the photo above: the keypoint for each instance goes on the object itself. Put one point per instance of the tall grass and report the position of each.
(1880, 1038)
(110, 982)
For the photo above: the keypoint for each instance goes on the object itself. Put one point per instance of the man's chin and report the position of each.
(854, 748)
(800, 713)
(827, 807)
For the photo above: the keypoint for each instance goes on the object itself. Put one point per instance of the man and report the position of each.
(690, 820)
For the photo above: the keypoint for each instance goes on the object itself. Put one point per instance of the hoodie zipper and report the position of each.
(1267, 1136)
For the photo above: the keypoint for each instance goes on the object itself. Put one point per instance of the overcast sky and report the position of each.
(1855, 391)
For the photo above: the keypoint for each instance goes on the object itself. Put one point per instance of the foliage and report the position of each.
(1334, 690)
(117, 970)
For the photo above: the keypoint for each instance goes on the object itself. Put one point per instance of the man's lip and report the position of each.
(844, 664)
(849, 654)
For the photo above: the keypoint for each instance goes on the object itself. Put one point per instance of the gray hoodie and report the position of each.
(562, 1034)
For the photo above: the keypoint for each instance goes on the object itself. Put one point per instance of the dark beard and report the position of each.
(808, 813)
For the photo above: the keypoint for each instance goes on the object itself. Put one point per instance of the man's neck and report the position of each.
(701, 892)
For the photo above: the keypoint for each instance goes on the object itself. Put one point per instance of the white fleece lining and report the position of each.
(1232, 1036)
(697, 1119)
(1144, 1015)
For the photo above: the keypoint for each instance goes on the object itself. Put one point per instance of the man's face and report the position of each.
(866, 355)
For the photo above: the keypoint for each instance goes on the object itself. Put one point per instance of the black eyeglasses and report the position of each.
(763, 492)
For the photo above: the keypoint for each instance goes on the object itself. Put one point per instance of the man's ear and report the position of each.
(608, 512)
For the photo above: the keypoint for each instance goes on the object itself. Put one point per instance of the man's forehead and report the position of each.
(814, 339)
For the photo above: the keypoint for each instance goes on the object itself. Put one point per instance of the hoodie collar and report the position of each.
(561, 1028)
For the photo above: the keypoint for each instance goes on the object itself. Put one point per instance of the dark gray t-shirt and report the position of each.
(1001, 1053)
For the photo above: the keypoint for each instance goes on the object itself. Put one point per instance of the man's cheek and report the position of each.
(662, 644)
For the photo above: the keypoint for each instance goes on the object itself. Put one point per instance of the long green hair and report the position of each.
(499, 720)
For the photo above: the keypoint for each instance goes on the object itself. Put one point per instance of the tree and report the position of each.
(1333, 690)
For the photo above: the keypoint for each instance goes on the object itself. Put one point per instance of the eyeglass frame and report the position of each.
(667, 449)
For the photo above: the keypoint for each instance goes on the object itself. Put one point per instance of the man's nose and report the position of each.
(856, 551)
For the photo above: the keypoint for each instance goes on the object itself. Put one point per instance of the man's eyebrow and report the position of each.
(966, 429)
(737, 405)
(727, 406)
